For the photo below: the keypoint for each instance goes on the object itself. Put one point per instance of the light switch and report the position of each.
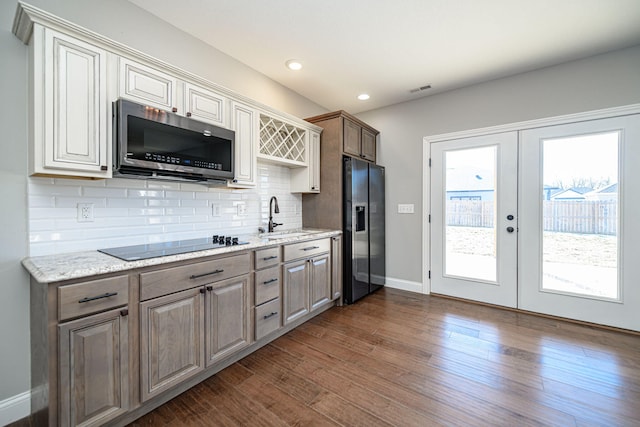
(406, 208)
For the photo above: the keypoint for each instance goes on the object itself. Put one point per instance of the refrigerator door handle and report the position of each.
(361, 218)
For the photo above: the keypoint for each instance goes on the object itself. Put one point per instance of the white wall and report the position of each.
(602, 81)
(14, 282)
(128, 24)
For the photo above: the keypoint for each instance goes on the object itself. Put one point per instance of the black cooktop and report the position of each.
(154, 250)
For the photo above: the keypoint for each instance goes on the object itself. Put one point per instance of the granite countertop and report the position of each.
(76, 265)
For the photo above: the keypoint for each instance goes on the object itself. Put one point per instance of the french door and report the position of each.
(474, 218)
(542, 219)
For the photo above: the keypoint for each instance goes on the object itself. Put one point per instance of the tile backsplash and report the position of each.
(131, 212)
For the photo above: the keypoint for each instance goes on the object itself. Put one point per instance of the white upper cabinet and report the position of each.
(150, 86)
(307, 180)
(245, 125)
(205, 105)
(70, 116)
(147, 85)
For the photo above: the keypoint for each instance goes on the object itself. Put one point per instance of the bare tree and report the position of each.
(589, 182)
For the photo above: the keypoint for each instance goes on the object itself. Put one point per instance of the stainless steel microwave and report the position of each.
(153, 143)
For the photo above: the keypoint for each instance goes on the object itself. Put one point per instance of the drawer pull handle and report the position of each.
(270, 281)
(107, 295)
(197, 276)
(269, 257)
(273, 313)
(310, 248)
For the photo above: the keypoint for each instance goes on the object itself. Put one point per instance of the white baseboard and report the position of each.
(15, 408)
(404, 285)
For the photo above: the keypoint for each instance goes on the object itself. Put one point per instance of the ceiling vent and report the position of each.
(420, 89)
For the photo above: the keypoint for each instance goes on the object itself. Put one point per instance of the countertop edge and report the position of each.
(49, 269)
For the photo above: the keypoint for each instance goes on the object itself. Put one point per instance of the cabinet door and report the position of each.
(336, 267)
(148, 86)
(245, 124)
(204, 105)
(314, 162)
(71, 119)
(320, 280)
(227, 317)
(94, 369)
(351, 137)
(171, 340)
(368, 147)
(296, 290)
(307, 180)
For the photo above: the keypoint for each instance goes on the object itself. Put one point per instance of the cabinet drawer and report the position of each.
(267, 257)
(90, 297)
(267, 318)
(162, 282)
(306, 249)
(267, 284)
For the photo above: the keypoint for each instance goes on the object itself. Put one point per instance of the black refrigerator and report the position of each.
(363, 228)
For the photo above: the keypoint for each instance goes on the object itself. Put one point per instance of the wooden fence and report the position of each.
(584, 217)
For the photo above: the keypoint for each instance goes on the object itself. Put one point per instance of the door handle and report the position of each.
(510, 229)
(360, 218)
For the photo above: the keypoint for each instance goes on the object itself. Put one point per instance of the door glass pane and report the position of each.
(580, 215)
(470, 244)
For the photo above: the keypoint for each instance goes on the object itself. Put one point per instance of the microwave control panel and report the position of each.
(173, 160)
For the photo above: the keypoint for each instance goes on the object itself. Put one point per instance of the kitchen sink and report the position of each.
(286, 235)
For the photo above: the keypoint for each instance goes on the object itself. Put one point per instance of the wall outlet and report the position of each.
(85, 212)
(242, 208)
(406, 208)
(215, 209)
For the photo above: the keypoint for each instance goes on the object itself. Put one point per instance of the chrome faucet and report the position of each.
(272, 224)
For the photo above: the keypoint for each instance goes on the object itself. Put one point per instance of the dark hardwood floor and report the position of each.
(403, 359)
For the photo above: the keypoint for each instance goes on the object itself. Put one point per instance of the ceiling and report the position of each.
(389, 48)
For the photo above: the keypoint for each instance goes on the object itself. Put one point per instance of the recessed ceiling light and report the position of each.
(293, 64)
(363, 96)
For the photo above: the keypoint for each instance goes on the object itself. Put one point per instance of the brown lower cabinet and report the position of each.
(227, 317)
(296, 290)
(306, 278)
(171, 340)
(110, 348)
(94, 368)
(178, 330)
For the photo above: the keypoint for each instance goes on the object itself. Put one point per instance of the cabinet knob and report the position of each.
(124, 312)
(103, 168)
(188, 114)
(174, 109)
(209, 288)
